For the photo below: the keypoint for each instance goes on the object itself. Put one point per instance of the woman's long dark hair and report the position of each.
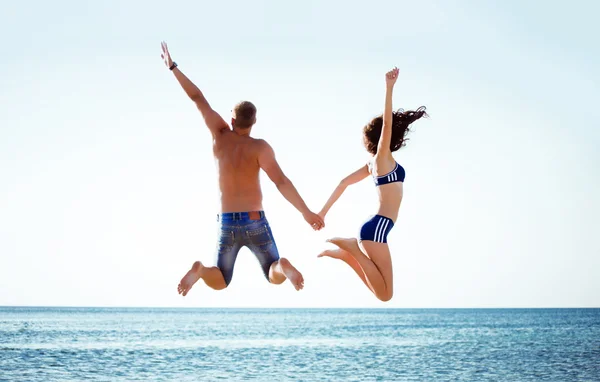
(401, 121)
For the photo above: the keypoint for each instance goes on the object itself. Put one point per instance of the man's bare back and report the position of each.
(236, 157)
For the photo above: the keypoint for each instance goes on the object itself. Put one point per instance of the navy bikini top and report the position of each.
(396, 175)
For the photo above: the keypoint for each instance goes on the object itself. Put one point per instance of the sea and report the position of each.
(151, 344)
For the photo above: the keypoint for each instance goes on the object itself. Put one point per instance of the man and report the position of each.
(242, 220)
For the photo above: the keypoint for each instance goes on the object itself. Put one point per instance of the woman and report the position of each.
(369, 255)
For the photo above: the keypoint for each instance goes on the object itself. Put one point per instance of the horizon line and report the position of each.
(291, 307)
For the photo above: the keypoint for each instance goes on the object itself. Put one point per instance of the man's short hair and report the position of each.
(244, 114)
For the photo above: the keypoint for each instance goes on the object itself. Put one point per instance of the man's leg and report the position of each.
(275, 269)
(282, 269)
(217, 277)
(212, 276)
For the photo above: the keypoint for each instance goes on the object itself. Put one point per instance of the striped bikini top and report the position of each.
(396, 175)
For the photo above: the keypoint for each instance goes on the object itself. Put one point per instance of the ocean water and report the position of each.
(114, 344)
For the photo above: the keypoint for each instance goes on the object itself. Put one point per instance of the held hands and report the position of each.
(391, 77)
(322, 215)
(315, 221)
(165, 55)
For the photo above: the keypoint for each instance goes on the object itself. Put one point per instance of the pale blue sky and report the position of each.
(107, 189)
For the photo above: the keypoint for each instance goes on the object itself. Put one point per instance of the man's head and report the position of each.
(244, 115)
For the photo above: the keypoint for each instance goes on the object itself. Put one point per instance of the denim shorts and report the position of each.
(244, 229)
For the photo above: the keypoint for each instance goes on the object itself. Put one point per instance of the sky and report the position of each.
(107, 182)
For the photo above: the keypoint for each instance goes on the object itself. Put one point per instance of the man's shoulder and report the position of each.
(222, 134)
(261, 144)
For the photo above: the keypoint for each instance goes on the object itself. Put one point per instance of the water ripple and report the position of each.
(42, 344)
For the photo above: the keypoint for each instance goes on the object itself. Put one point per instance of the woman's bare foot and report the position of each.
(292, 273)
(347, 257)
(190, 278)
(349, 245)
(333, 253)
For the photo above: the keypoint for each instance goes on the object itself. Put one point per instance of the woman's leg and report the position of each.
(347, 258)
(375, 260)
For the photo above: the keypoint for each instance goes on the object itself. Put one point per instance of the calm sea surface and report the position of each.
(106, 344)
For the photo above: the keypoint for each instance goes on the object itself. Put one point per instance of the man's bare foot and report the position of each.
(349, 245)
(292, 273)
(190, 278)
(333, 253)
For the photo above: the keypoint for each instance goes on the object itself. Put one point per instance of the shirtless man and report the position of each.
(242, 220)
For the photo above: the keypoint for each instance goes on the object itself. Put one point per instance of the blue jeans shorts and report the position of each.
(244, 229)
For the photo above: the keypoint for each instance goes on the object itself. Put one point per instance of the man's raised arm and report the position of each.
(213, 120)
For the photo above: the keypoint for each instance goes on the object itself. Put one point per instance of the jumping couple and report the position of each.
(242, 220)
